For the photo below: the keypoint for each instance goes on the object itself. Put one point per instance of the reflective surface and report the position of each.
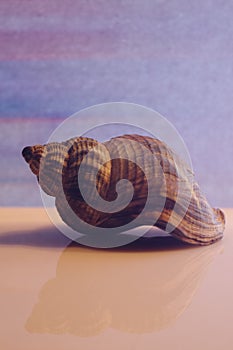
(156, 291)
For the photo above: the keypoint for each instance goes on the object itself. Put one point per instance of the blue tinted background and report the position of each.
(57, 57)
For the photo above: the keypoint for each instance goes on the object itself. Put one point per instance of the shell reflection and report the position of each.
(133, 290)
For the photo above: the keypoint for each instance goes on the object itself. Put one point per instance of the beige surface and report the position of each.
(157, 294)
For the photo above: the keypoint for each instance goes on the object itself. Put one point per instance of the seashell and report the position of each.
(154, 171)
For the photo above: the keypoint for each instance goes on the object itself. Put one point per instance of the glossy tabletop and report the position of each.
(155, 293)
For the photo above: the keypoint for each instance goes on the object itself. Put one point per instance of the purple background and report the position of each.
(57, 57)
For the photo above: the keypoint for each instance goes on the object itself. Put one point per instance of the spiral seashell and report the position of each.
(129, 180)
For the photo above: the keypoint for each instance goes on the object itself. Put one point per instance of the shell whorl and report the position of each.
(186, 213)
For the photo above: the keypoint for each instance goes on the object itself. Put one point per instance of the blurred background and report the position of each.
(57, 57)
